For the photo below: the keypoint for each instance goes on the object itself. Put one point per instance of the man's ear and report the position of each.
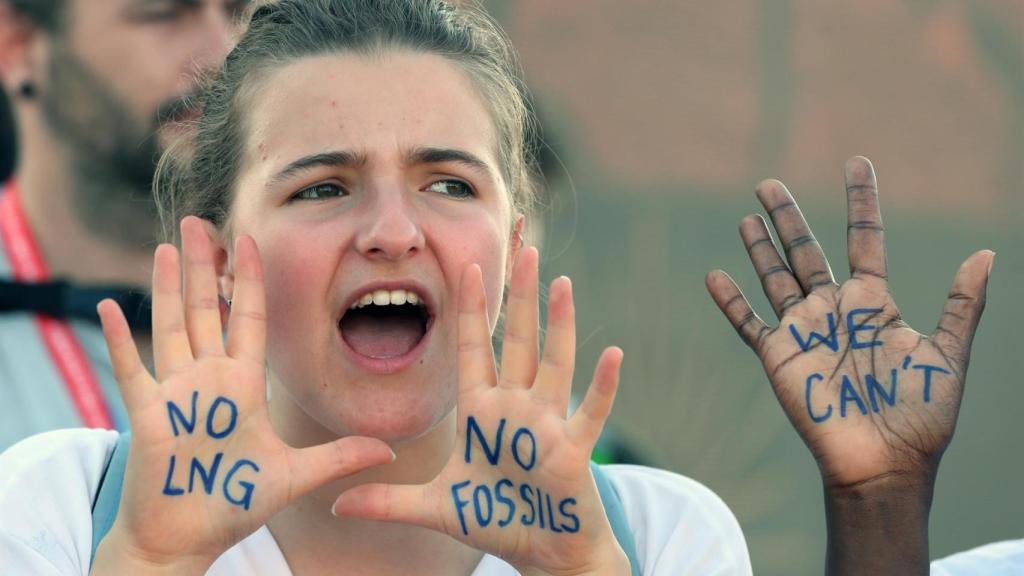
(17, 50)
(515, 243)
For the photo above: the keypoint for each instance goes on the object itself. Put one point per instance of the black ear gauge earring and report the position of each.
(27, 90)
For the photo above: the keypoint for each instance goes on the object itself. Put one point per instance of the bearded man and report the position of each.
(98, 89)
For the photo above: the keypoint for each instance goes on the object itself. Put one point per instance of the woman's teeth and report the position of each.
(386, 297)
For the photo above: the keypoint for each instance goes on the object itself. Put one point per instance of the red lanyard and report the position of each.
(27, 265)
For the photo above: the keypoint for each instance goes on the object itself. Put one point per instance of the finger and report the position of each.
(781, 288)
(519, 345)
(247, 324)
(588, 421)
(554, 377)
(476, 355)
(202, 306)
(313, 467)
(802, 250)
(734, 305)
(134, 381)
(390, 503)
(171, 350)
(964, 306)
(865, 235)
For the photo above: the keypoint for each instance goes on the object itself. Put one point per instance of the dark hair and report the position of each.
(47, 14)
(199, 179)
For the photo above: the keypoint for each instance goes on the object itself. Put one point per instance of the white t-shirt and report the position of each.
(999, 559)
(48, 483)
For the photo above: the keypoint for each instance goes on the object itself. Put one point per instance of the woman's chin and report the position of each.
(393, 426)
(396, 409)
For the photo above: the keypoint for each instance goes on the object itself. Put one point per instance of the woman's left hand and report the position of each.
(518, 484)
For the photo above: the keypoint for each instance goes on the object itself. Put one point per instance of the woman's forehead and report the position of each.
(372, 105)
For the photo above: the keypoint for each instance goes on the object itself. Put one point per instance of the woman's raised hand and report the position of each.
(205, 467)
(518, 484)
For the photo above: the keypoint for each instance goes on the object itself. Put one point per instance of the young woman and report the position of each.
(354, 203)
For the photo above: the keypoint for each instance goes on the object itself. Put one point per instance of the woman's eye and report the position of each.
(452, 188)
(320, 192)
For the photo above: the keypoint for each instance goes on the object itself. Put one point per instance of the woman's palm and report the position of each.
(205, 468)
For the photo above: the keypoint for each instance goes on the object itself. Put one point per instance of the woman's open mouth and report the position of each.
(385, 328)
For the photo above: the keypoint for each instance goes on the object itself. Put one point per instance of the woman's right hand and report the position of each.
(205, 468)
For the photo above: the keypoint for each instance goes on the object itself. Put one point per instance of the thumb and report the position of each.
(964, 305)
(313, 467)
(391, 503)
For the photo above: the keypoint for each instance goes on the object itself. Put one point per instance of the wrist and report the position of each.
(879, 526)
(611, 560)
(117, 555)
(905, 489)
(612, 563)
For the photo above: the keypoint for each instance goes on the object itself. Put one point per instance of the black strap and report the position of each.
(64, 300)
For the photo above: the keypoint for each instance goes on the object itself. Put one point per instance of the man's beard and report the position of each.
(113, 155)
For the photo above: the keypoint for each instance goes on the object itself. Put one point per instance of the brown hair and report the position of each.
(199, 179)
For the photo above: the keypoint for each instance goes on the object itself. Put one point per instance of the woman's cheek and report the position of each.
(294, 287)
(489, 251)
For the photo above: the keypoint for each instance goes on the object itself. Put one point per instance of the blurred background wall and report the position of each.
(667, 113)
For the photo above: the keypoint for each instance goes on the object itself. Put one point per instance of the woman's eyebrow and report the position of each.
(345, 158)
(341, 158)
(442, 155)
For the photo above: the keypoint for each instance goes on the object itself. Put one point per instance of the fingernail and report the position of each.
(394, 456)
(991, 261)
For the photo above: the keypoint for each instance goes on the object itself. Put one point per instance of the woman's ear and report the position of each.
(515, 243)
(225, 270)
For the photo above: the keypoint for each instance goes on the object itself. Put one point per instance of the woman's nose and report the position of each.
(392, 231)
